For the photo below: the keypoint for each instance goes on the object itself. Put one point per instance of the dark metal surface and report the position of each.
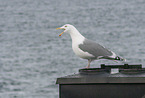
(125, 66)
(103, 91)
(94, 71)
(100, 83)
(135, 74)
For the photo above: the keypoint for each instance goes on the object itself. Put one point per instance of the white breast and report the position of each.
(79, 52)
(77, 39)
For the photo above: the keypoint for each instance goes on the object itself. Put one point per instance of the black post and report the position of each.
(100, 83)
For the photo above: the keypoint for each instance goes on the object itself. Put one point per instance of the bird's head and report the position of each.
(67, 28)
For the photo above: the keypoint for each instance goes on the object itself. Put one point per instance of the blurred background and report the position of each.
(32, 55)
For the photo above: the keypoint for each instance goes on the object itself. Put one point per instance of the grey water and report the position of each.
(33, 56)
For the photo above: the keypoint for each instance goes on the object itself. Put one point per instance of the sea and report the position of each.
(33, 56)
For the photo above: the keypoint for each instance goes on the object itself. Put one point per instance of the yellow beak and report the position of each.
(58, 29)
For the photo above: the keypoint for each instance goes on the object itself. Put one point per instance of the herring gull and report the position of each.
(87, 49)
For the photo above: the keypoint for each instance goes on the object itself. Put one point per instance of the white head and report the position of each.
(67, 28)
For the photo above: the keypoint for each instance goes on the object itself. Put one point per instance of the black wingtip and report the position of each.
(120, 58)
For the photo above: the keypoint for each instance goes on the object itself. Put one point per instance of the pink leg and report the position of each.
(89, 61)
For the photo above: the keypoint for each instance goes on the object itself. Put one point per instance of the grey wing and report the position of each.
(95, 49)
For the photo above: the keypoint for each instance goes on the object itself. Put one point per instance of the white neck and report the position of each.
(76, 36)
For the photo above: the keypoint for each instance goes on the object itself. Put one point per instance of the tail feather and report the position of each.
(117, 58)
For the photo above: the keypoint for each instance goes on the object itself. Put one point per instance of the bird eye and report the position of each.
(65, 26)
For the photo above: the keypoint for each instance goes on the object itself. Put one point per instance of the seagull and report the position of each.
(88, 49)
